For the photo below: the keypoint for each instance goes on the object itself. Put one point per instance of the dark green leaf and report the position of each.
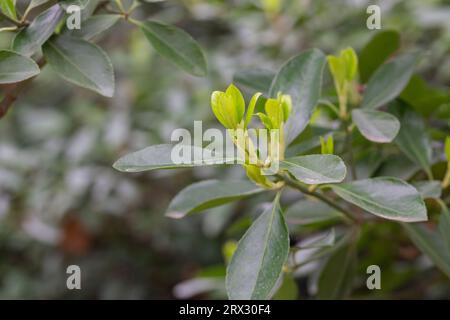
(389, 80)
(307, 211)
(288, 289)
(82, 63)
(30, 39)
(376, 126)
(163, 156)
(176, 45)
(15, 67)
(255, 79)
(316, 168)
(208, 194)
(336, 278)
(387, 197)
(94, 26)
(301, 78)
(376, 52)
(259, 258)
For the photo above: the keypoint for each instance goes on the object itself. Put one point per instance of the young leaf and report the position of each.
(15, 67)
(376, 126)
(251, 109)
(389, 80)
(327, 146)
(387, 197)
(162, 157)
(82, 63)
(335, 281)
(176, 45)
(8, 7)
(259, 258)
(412, 138)
(208, 194)
(30, 39)
(301, 78)
(447, 148)
(343, 68)
(316, 168)
(228, 106)
(376, 52)
(431, 244)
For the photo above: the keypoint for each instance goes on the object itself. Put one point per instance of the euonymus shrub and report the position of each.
(367, 114)
(73, 54)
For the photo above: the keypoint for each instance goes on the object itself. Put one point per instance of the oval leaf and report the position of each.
(165, 156)
(316, 168)
(389, 81)
(301, 78)
(82, 63)
(376, 126)
(208, 194)
(376, 52)
(15, 67)
(387, 197)
(259, 258)
(176, 45)
(30, 39)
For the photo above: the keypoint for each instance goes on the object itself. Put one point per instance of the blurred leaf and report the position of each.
(431, 244)
(429, 189)
(423, 98)
(315, 168)
(94, 26)
(288, 289)
(444, 227)
(81, 3)
(387, 197)
(161, 157)
(176, 45)
(15, 67)
(376, 52)
(258, 261)
(376, 126)
(301, 78)
(35, 3)
(325, 240)
(255, 79)
(389, 80)
(30, 39)
(81, 63)
(306, 211)
(412, 138)
(447, 148)
(336, 278)
(207, 194)
(8, 7)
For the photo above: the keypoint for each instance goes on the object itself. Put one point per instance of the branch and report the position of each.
(350, 217)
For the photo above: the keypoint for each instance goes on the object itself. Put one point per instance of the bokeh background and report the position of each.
(62, 203)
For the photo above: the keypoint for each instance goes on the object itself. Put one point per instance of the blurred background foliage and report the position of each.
(62, 203)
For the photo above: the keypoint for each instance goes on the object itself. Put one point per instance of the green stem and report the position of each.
(349, 216)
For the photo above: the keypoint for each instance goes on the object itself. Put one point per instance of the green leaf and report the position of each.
(327, 146)
(323, 240)
(386, 197)
(376, 52)
(94, 26)
(444, 227)
(389, 80)
(163, 156)
(424, 98)
(259, 258)
(255, 79)
(412, 138)
(251, 109)
(30, 39)
(208, 194)
(336, 277)
(35, 3)
(306, 211)
(15, 67)
(428, 189)
(8, 7)
(376, 126)
(82, 63)
(431, 244)
(288, 289)
(176, 45)
(343, 68)
(316, 168)
(301, 78)
(81, 3)
(447, 148)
